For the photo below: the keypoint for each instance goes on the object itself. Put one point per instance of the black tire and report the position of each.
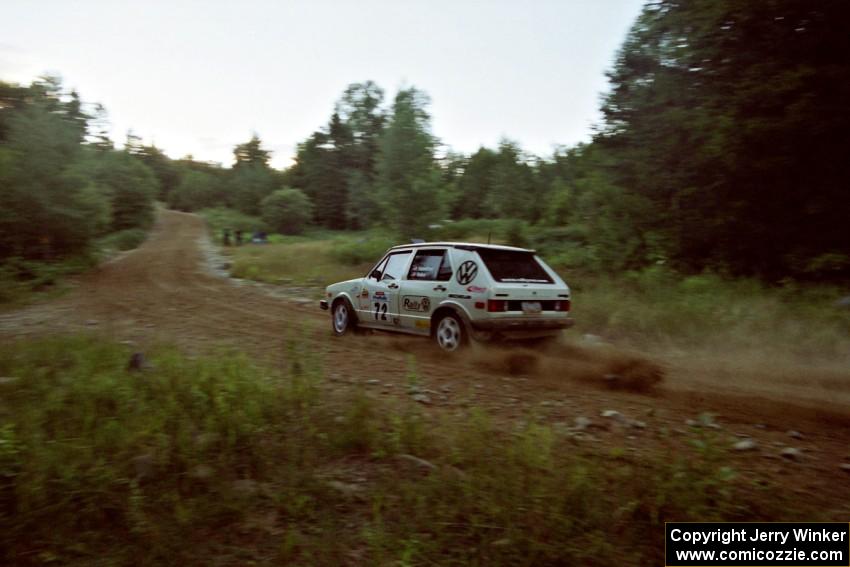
(343, 318)
(450, 333)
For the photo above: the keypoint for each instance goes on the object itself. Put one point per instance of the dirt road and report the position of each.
(163, 292)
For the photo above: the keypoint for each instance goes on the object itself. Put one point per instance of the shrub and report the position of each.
(124, 239)
(287, 211)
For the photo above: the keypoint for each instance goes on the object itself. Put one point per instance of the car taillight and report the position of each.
(497, 305)
(562, 305)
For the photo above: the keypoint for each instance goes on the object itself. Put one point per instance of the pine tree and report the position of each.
(408, 176)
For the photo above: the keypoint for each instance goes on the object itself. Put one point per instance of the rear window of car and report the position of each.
(514, 266)
(430, 265)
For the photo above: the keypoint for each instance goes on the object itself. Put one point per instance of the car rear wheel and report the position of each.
(342, 317)
(450, 334)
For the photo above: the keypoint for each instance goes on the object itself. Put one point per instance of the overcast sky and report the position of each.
(198, 77)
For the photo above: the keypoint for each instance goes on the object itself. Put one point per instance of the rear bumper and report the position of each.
(522, 324)
(323, 303)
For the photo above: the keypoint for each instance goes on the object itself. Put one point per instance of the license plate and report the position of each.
(531, 307)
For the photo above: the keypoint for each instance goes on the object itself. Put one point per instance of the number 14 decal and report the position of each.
(381, 308)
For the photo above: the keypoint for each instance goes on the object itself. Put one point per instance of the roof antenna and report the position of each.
(488, 236)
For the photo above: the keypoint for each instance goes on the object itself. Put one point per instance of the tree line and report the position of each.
(61, 187)
(722, 147)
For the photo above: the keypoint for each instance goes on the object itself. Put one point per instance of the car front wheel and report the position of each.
(342, 317)
(450, 334)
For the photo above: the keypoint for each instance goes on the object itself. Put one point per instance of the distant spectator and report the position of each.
(238, 238)
(259, 237)
(226, 237)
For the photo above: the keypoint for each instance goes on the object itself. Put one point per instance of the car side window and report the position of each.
(378, 271)
(395, 266)
(430, 265)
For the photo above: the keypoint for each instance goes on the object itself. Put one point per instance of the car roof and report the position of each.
(462, 246)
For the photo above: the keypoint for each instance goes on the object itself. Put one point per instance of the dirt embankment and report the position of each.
(164, 292)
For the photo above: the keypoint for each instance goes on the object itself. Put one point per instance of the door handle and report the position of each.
(439, 288)
(393, 286)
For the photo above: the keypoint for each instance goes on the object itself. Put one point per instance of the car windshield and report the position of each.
(514, 266)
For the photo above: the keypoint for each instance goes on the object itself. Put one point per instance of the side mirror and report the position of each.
(376, 274)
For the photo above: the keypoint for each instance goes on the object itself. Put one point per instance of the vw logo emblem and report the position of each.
(467, 272)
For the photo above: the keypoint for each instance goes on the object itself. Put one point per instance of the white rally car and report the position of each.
(453, 291)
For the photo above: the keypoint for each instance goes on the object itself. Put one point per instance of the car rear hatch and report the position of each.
(522, 284)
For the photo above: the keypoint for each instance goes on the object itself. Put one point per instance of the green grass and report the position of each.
(318, 259)
(214, 461)
(658, 307)
(322, 257)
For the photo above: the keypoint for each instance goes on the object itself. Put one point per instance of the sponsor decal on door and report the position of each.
(417, 303)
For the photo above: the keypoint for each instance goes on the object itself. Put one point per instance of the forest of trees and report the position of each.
(62, 184)
(723, 147)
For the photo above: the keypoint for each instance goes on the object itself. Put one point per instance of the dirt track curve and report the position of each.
(163, 292)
